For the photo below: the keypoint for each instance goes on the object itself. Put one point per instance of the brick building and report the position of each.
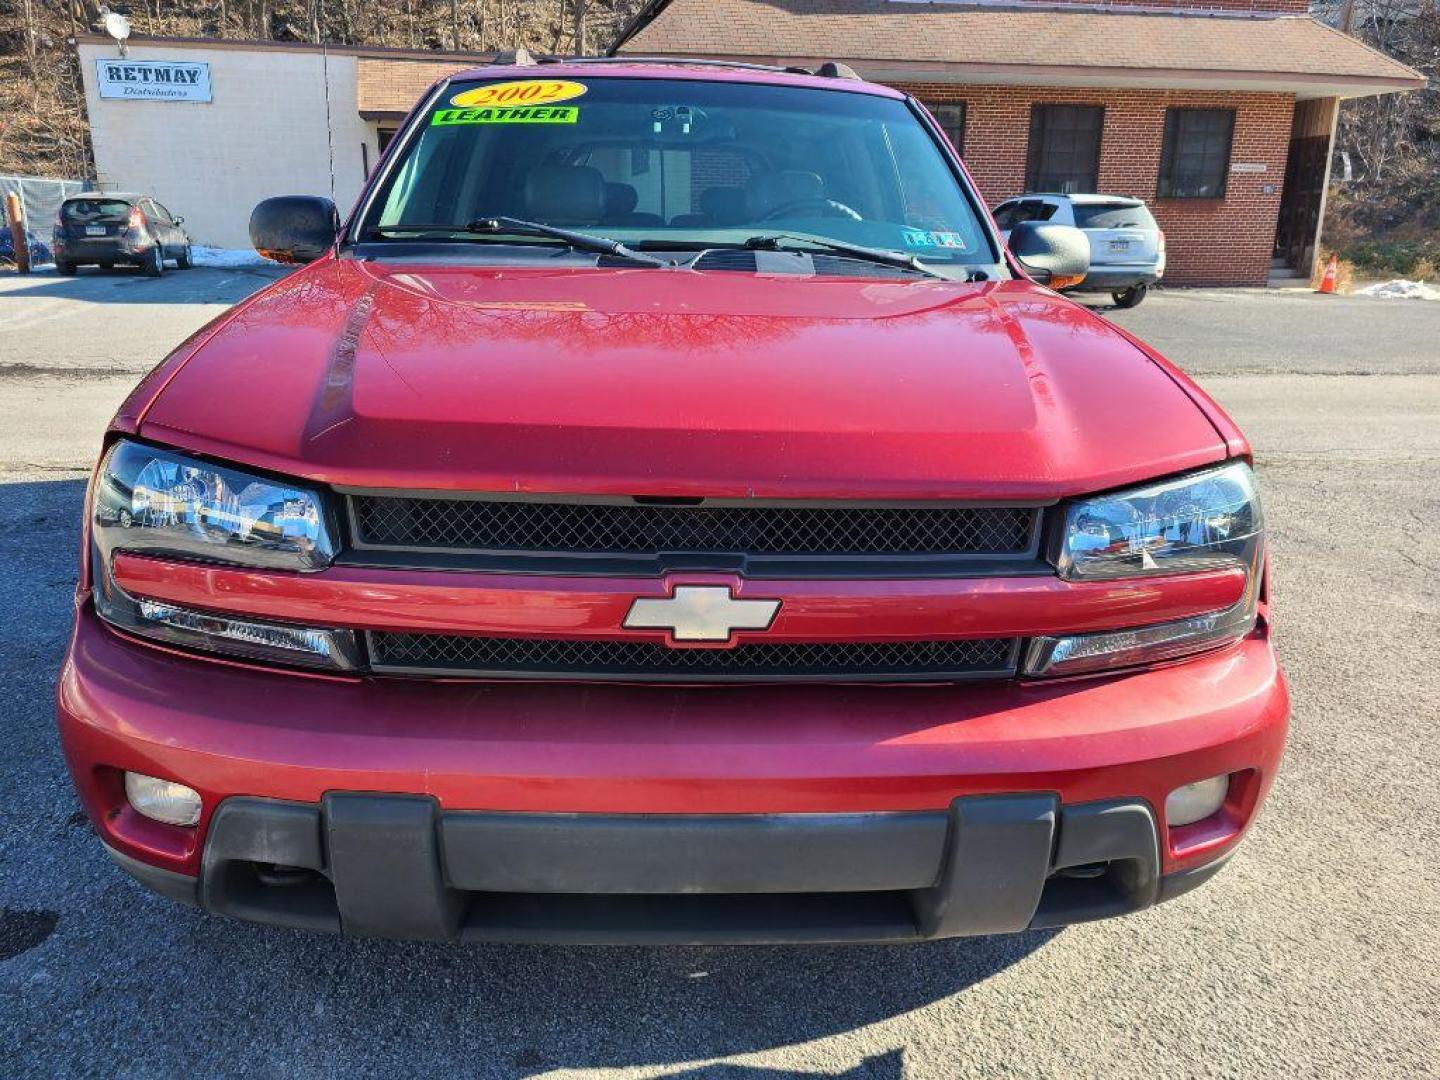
(1220, 113)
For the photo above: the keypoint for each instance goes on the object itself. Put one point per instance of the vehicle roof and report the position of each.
(694, 70)
(122, 196)
(1089, 197)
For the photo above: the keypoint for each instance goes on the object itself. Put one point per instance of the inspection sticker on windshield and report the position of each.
(926, 238)
(520, 92)
(517, 114)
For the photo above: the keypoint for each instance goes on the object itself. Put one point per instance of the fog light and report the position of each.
(162, 800)
(1195, 802)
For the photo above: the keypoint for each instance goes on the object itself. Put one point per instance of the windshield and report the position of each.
(676, 163)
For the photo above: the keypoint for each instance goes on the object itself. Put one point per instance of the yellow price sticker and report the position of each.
(519, 92)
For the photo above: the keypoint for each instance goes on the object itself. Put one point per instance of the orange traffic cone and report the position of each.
(1332, 270)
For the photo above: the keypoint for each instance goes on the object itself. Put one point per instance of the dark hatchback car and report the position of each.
(114, 228)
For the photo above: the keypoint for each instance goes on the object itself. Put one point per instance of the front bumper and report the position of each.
(443, 809)
(397, 866)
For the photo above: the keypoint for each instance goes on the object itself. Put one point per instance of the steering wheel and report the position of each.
(820, 208)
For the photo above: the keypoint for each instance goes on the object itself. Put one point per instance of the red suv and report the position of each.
(664, 511)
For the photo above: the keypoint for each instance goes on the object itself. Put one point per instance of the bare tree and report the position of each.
(578, 35)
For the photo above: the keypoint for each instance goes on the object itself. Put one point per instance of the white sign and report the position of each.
(153, 80)
(1248, 166)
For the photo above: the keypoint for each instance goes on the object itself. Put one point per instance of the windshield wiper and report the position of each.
(785, 241)
(580, 241)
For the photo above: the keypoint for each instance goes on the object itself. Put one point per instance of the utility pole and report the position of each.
(15, 211)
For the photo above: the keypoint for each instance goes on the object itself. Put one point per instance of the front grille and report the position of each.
(548, 657)
(634, 528)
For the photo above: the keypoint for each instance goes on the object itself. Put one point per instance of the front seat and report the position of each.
(719, 206)
(767, 191)
(565, 194)
(620, 203)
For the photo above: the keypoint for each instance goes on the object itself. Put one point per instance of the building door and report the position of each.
(1302, 199)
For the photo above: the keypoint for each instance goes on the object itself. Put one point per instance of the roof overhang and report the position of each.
(901, 70)
(1028, 43)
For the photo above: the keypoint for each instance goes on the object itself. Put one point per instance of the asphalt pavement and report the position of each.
(1315, 953)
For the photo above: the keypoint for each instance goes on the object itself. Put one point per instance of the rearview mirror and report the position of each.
(294, 228)
(1054, 255)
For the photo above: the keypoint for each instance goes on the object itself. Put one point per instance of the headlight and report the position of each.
(1203, 521)
(158, 502)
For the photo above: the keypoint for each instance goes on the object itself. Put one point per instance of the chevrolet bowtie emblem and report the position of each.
(700, 613)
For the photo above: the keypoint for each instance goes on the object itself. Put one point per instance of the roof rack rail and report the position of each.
(679, 61)
(833, 69)
(520, 57)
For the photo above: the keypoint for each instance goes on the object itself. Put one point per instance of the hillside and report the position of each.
(1384, 209)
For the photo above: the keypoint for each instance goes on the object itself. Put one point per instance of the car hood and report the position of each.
(653, 382)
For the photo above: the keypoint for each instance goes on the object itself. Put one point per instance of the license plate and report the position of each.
(94, 230)
(1119, 245)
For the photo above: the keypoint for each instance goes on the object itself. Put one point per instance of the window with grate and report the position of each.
(950, 115)
(1064, 153)
(1196, 156)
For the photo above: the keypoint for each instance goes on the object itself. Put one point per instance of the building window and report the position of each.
(1196, 158)
(1064, 148)
(950, 115)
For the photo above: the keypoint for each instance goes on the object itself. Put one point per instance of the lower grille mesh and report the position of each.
(458, 654)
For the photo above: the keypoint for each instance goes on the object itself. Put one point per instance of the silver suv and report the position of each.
(1127, 248)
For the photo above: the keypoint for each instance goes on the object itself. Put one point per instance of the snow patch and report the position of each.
(227, 258)
(1401, 289)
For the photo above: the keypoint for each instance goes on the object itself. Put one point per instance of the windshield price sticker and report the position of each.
(519, 114)
(926, 238)
(520, 92)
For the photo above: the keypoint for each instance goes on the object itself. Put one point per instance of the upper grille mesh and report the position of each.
(632, 528)
(640, 659)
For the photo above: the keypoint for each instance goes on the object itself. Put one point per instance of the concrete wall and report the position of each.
(1225, 241)
(263, 134)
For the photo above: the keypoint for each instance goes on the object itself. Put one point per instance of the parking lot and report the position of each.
(1314, 953)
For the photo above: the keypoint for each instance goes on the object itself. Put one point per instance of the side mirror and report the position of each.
(178, 220)
(294, 228)
(1054, 255)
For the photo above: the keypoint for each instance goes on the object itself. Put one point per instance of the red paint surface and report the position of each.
(533, 605)
(652, 382)
(638, 382)
(229, 729)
